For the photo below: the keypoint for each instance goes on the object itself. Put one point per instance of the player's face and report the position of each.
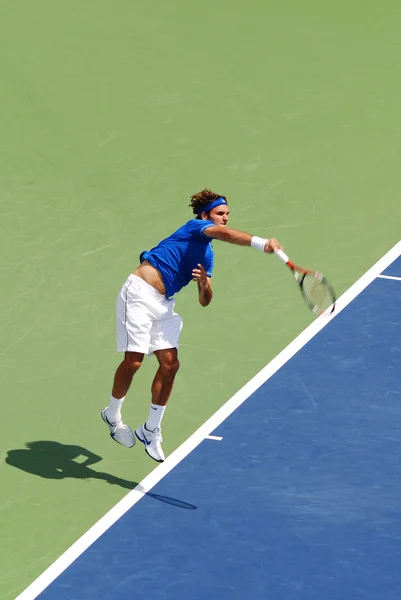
(219, 215)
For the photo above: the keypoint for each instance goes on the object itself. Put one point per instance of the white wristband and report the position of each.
(258, 243)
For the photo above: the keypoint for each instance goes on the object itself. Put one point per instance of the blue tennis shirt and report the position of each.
(182, 251)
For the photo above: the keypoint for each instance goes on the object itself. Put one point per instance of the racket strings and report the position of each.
(317, 292)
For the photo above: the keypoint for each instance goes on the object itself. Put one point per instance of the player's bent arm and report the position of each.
(205, 293)
(91, 458)
(241, 238)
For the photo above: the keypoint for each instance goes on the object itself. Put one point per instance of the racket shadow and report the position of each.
(168, 500)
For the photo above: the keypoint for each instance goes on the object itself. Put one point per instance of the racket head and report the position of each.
(317, 292)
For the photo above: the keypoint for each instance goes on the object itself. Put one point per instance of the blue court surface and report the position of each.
(300, 499)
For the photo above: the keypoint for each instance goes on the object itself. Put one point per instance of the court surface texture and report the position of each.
(292, 490)
(113, 115)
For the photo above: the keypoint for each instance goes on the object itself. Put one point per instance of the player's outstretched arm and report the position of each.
(242, 238)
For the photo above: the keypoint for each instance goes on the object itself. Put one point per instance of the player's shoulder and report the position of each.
(198, 225)
(192, 229)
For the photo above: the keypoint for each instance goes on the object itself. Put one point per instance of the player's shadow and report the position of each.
(53, 460)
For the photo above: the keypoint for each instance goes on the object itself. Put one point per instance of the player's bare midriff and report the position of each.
(151, 275)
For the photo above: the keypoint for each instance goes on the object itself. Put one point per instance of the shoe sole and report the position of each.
(104, 418)
(146, 450)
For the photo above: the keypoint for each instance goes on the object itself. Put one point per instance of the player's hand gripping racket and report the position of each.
(315, 289)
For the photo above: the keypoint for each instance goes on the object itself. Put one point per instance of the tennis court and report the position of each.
(291, 491)
(112, 116)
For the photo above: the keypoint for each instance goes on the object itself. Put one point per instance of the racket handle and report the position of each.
(282, 256)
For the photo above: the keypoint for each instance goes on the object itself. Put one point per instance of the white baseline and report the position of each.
(70, 555)
(389, 277)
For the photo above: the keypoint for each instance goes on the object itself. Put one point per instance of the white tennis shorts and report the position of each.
(146, 320)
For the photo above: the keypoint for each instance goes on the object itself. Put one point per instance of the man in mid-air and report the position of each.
(146, 321)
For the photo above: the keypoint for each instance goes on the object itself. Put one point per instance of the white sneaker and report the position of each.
(119, 432)
(152, 441)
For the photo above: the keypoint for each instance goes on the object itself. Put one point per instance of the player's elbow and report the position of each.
(205, 301)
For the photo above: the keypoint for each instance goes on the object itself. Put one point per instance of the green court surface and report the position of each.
(112, 115)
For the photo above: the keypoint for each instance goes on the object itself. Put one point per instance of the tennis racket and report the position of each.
(315, 289)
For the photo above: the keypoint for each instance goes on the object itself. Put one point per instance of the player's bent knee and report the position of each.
(133, 361)
(170, 368)
(134, 366)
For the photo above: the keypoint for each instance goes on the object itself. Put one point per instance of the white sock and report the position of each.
(114, 410)
(156, 413)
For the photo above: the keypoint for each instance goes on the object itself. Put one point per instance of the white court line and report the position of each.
(389, 277)
(214, 437)
(65, 560)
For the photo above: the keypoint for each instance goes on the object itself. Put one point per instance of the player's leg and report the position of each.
(165, 375)
(111, 414)
(165, 335)
(125, 373)
(134, 323)
(150, 432)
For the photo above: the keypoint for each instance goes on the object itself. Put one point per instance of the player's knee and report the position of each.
(134, 365)
(170, 367)
(132, 362)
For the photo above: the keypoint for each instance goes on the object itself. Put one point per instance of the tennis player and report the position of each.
(146, 320)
